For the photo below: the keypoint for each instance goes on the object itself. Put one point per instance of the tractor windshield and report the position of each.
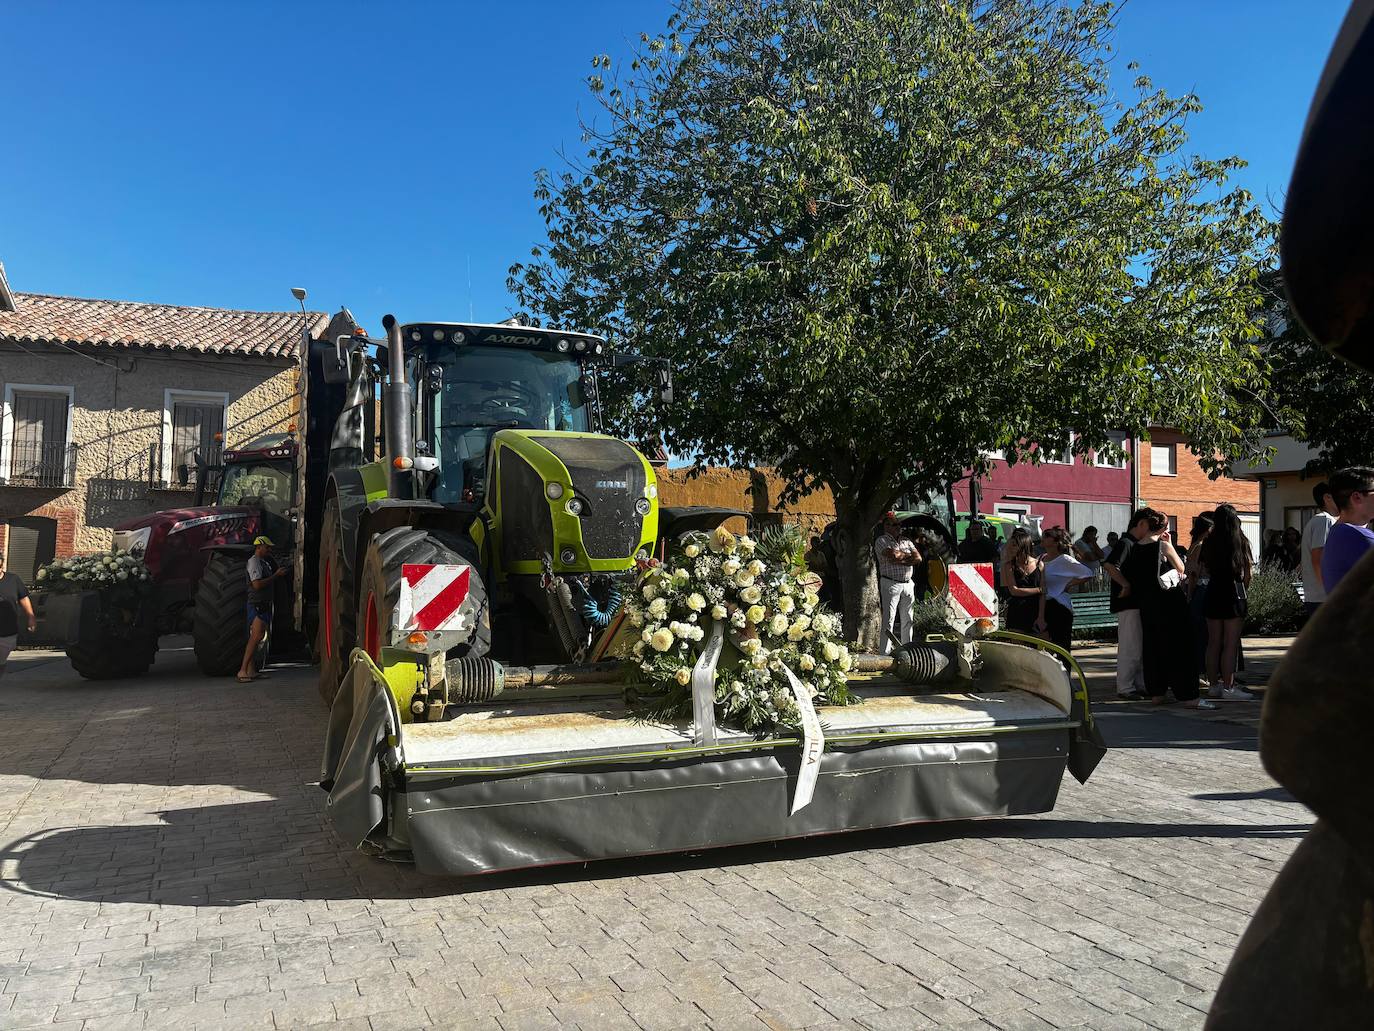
(270, 481)
(485, 389)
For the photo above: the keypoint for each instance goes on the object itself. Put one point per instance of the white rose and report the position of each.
(730, 566)
(778, 625)
(692, 550)
(649, 592)
(751, 595)
(755, 613)
(846, 660)
(786, 604)
(796, 632)
(722, 540)
(683, 676)
(811, 600)
(746, 545)
(743, 579)
(755, 567)
(662, 639)
(695, 602)
(831, 651)
(717, 611)
(750, 646)
(658, 608)
(759, 660)
(806, 662)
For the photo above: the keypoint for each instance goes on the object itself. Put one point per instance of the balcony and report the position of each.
(42, 465)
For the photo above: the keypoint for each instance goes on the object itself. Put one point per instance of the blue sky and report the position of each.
(198, 153)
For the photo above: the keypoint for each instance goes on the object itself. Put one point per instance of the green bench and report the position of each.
(1092, 610)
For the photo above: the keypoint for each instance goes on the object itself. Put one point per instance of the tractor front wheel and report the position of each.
(220, 627)
(380, 584)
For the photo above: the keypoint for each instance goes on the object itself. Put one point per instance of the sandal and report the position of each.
(244, 680)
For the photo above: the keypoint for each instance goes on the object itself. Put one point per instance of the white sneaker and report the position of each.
(1237, 694)
(1215, 691)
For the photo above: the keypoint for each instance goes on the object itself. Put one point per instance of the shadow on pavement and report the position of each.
(1142, 729)
(1274, 794)
(270, 850)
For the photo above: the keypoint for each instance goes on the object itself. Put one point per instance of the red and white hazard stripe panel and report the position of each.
(432, 597)
(973, 590)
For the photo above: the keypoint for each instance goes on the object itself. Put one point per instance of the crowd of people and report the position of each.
(1179, 611)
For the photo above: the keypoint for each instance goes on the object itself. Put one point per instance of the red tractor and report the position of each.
(196, 556)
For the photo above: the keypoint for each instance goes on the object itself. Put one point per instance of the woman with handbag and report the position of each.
(1155, 572)
(1226, 555)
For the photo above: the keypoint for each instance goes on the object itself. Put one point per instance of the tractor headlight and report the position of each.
(567, 556)
(562, 346)
(652, 491)
(642, 506)
(554, 490)
(574, 506)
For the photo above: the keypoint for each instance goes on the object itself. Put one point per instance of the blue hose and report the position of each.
(593, 612)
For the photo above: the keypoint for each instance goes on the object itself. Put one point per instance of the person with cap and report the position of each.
(897, 557)
(262, 574)
(14, 598)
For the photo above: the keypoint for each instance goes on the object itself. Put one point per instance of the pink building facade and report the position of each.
(1074, 492)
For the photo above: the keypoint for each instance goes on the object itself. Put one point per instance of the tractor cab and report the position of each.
(475, 380)
(265, 469)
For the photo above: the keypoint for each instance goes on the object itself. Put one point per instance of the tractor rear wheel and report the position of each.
(380, 583)
(111, 659)
(335, 634)
(220, 627)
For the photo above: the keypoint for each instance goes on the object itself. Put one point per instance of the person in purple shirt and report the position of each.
(1349, 539)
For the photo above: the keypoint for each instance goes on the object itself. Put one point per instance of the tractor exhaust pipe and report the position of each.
(400, 419)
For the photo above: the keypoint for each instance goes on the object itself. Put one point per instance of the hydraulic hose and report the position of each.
(594, 612)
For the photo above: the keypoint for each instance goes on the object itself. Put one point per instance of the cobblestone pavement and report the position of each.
(165, 863)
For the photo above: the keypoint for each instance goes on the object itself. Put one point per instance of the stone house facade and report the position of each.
(104, 403)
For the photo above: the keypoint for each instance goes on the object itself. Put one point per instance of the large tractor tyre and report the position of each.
(380, 583)
(220, 630)
(335, 633)
(112, 659)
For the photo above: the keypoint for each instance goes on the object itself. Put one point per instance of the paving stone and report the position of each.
(193, 881)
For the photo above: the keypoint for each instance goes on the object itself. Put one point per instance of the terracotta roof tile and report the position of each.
(46, 319)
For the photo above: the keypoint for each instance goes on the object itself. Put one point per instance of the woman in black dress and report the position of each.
(1155, 571)
(1022, 580)
(1226, 557)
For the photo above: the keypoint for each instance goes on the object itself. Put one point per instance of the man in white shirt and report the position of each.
(896, 589)
(1313, 544)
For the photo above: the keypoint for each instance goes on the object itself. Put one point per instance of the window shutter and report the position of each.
(40, 434)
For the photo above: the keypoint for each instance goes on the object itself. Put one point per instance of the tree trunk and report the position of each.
(858, 578)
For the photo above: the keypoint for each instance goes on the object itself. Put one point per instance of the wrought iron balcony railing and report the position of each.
(42, 465)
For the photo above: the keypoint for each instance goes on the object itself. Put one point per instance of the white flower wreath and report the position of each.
(767, 600)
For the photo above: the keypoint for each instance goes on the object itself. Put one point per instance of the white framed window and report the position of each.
(1064, 457)
(36, 435)
(1104, 461)
(191, 419)
(1163, 459)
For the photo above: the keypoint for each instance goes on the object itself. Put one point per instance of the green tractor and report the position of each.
(471, 635)
(491, 464)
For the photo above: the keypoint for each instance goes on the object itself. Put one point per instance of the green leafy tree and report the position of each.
(878, 237)
(1316, 396)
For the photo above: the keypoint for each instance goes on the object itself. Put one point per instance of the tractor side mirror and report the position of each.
(665, 383)
(334, 362)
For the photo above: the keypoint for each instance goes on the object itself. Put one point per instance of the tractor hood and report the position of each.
(170, 541)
